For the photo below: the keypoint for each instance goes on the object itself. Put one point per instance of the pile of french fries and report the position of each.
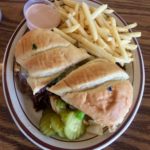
(96, 30)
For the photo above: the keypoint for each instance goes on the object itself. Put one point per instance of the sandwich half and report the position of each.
(37, 41)
(45, 55)
(37, 84)
(106, 104)
(88, 76)
(98, 88)
(54, 61)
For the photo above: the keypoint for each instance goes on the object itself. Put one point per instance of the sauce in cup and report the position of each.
(42, 16)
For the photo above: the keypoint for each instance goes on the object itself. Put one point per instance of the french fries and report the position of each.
(68, 9)
(81, 29)
(103, 44)
(71, 29)
(96, 30)
(65, 36)
(103, 34)
(90, 21)
(62, 12)
(116, 36)
(69, 3)
(98, 11)
(93, 48)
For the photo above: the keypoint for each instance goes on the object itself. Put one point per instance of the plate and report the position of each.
(27, 120)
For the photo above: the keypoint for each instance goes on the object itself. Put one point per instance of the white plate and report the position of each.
(25, 117)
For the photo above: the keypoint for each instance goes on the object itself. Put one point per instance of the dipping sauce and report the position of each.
(42, 16)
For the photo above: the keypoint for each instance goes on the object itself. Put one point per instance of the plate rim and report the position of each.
(37, 141)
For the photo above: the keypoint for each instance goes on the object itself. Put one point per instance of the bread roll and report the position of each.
(37, 41)
(106, 104)
(38, 83)
(88, 76)
(53, 61)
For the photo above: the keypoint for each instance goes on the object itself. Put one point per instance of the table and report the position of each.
(137, 137)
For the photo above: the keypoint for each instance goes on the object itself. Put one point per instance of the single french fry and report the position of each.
(126, 28)
(122, 61)
(81, 29)
(130, 26)
(69, 3)
(112, 44)
(108, 11)
(81, 18)
(103, 34)
(91, 23)
(117, 38)
(85, 22)
(117, 53)
(69, 9)
(102, 22)
(103, 44)
(117, 50)
(98, 11)
(125, 37)
(131, 47)
(122, 29)
(71, 29)
(100, 43)
(68, 23)
(93, 48)
(77, 11)
(77, 6)
(62, 12)
(131, 35)
(64, 35)
(106, 30)
(124, 42)
(92, 9)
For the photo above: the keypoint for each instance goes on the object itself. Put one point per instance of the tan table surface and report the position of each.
(137, 137)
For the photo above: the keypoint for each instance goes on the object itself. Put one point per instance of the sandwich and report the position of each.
(37, 84)
(75, 80)
(87, 76)
(37, 41)
(98, 88)
(55, 61)
(44, 55)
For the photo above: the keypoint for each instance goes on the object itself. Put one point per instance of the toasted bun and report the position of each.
(107, 104)
(36, 41)
(38, 83)
(89, 75)
(53, 61)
